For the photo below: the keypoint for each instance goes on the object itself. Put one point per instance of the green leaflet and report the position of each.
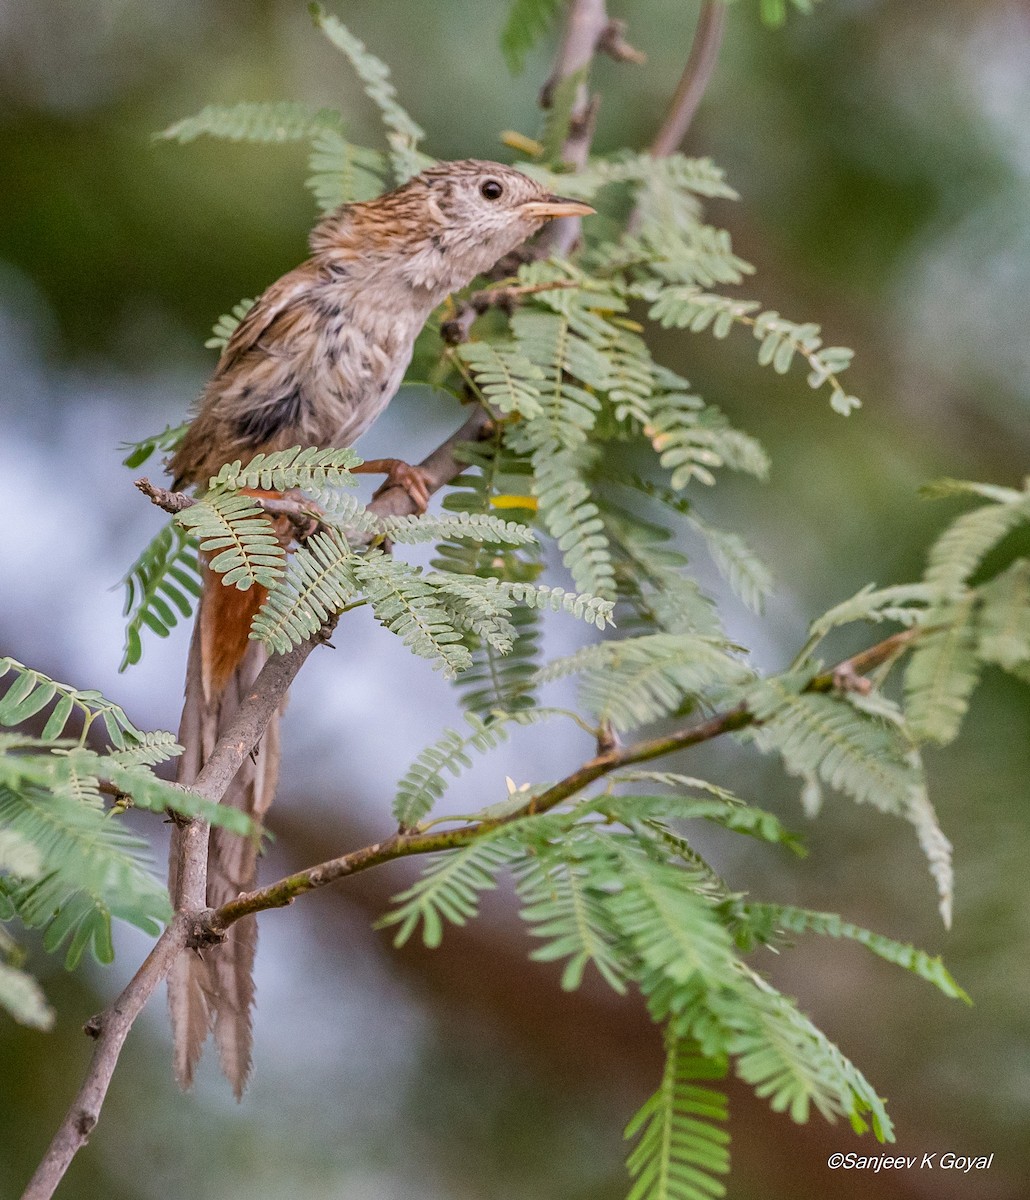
(905, 603)
(161, 588)
(861, 755)
(407, 604)
(957, 553)
(239, 539)
(1004, 625)
(23, 998)
(165, 441)
(402, 133)
(528, 21)
(308, 468)
(342, 172)
(227, 324)
(791, 1063)
(942, 673)
(630, 682)
(93, 869)
(719, 807)
(450, 887)
(689, 307)
(31, 691)
(424, 784)
(283, 121)
(319, 582)
(556, 441)
(680, 1149)
(768, 920)
(564, 902)
(506, 378)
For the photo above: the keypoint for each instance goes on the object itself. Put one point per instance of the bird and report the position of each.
(314, 362)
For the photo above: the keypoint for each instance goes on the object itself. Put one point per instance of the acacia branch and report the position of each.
(189, 926)
(110, 1029)
(588, 31)
(610, 758)
(507, 298)
(697, 74)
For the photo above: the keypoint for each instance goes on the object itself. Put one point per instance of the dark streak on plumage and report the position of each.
(259, 425)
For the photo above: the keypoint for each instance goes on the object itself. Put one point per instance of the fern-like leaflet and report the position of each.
(236, 533)
(403, 134)
(681, 1149)
(450, 888)
(161, 587)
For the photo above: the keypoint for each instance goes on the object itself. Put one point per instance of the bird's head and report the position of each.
(447, 225)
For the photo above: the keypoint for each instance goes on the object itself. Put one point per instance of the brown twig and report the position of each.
(613, 43)
(588, 30)
(192, 925)
(697, 74)
(304, 515)
(456, 329)
(609, 758)
(110, 1029)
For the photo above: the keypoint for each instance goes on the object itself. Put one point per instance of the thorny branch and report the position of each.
(111, 1027)
(610, 757)
(588, 30)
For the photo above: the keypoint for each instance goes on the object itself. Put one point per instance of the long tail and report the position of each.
(214, 991)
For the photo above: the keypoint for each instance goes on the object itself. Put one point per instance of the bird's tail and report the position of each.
(213, 990)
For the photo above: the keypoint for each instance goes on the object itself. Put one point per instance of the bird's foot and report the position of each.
(414, 480)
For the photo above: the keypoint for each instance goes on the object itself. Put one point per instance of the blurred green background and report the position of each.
(882, 151)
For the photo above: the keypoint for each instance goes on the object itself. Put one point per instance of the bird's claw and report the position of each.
(414, 480)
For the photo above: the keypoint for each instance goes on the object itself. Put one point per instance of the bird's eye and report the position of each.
(490, 189)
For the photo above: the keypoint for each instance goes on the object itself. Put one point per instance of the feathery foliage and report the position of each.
(680, 1150)
(942, 673)
(29, 692)
(308, 468)
(450, 888)
(859, 754)
(564, 903)
(165, 441)
(161, 587)
(342, 172)
(93, 869)
(528, 21)
(227, 324)
(688, 307)
(236, 532)
(423, 784)
(403, 134)
(630, 682)
(769, 923)
(284, 121)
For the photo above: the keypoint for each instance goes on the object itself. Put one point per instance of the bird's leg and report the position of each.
(399, 474)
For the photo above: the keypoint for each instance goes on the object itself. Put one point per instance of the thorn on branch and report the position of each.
(94, 1027)
(613, 43)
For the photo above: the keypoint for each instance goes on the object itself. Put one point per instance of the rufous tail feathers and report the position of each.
(213, 990)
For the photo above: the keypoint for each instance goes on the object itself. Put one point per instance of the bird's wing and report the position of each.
(274, 316)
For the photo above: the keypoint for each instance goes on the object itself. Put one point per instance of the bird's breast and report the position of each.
(357, 366)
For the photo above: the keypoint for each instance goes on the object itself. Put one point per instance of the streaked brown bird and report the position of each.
(313, 363)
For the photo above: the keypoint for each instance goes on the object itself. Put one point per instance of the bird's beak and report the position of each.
(555, 206)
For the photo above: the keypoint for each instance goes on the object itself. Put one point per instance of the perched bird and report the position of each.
(313, 363)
